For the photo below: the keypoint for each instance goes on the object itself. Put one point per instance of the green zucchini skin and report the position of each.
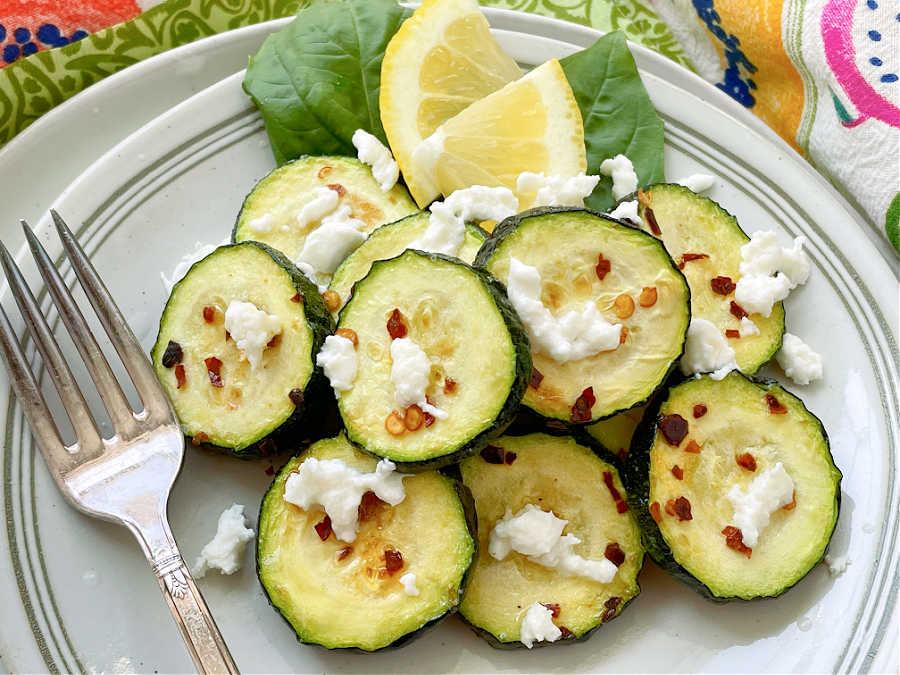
(506, 228)
(313, 418)
(522, 370)
(636, 477)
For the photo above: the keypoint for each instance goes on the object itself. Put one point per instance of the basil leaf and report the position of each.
(617, 113)
(317, 80)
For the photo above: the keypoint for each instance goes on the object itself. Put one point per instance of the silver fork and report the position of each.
(127, 478)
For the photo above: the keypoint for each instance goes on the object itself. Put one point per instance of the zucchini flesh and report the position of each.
(556, 474)
(615, 433)
(389, 241)
(565, 246)
(693, 224)
(286, 190)
(461, 319)
(738, 420)
(350, 602)
(251, 405)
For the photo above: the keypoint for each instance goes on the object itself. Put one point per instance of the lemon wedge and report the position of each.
(442, 59)
(532, 124)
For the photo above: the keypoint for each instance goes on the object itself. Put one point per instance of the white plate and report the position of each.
(79, 595)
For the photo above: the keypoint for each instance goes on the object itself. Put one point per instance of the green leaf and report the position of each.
(617, 113)
(317, 80)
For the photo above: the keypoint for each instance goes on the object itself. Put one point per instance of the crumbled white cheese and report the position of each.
(837, 564)
(410, 373)
(262, 224)
(310, 273)
(324, 202)
(798, 360)
(769, 272)
(338, 360)
(537, 534)
(199, 253)
(339, 488)
(624, 179)
(337, 236)
(698, 182)
(446, 230)
(373, 152)
(626, 211)
(572, 336)
(224, 551)
(707, 351)
(556, 190)
(748, 327)
(537, 626)
(408, 582)
(251, 329)
(769, 491)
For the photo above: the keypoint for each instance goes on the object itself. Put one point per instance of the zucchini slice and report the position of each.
(730, 433)
(614, 433)
(692, 225)
(461, 319)
(389, 241)
(278, 198)
(220, 398)
(558, 475)
(585, 257)
(340, 595)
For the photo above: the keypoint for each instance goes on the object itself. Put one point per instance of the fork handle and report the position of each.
(194, 620)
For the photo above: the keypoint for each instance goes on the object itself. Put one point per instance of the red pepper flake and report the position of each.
(492, 454)
(654, 512)
(565, 633)
(429, 418)
(396, 327)
(690, 257)
(603, 267)
(367, 506)
(732, 333)
(296, 396)
(746, 461)
(227, 336)
(348, 334)
(450, 386)
(509, 457)
(734, 539)
(737, 311)
(611, 606)
(270, 470)
(678, 472)
(337, 187)
(172, 355)
(614, 554)
(268, 447)
(648, 296)
(611, 486)
(536, 378)
(651, 221)
(670, 507)
(554, 609)
(793, 504)
(775, 406)
(179, 376)
(692, 447)
(581, 410)
(274, 341)
(199, 438)
(297, 297)
(621, 506)
(722, 285)
(344, 552)
(413, 418)
(623, 335)
(214, 369)
(674, 428)
(683, 509)
(324, 171)
(395, 423)
(700, 410)
(332, 300)
(323, 528)
(209, 314)
(393, 561)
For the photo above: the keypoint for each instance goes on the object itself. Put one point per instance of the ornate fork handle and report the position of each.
(193, 617)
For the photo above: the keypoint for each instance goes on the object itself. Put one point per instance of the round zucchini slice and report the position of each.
(460, 318)
(278, 198)
(389, 241)
(614, 433)
(340, 595)
(628, 276)
(705, 241)
(707, 439)
(558, 475)
(220, 398)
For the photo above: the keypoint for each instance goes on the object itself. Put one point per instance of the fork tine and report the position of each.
(104, 379)
(74, 403)
(136, 362)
